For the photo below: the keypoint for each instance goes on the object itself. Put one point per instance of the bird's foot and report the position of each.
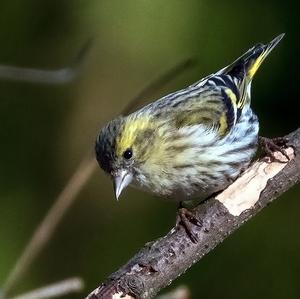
(271, 145)
(188, 220)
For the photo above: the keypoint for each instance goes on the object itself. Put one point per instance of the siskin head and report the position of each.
(122, 149)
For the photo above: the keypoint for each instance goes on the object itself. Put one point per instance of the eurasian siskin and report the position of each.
(191, 143)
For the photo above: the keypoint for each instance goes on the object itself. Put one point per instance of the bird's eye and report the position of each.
(127, 154)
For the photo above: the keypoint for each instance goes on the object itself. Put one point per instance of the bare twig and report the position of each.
(158, 263)
(58, 76)
(69, 193)
(64, 287)
(45, 230)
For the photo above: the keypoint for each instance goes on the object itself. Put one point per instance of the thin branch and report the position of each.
(64, 287)
(45, 230)
(67, 197)
(158, 263)
(58, 76)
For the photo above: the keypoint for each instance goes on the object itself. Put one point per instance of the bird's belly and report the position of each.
(189, 184)
(203, 185)
(190, 187)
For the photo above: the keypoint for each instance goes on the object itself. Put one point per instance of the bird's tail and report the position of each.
(248, 63)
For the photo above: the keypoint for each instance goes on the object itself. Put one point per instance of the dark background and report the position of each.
(45, 131)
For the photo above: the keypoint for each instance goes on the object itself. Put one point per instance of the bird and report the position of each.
(191, 143)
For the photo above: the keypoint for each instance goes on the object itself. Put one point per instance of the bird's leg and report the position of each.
(188, 220)
(270, 145)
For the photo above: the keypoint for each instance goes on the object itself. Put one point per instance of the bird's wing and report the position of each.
(217, 100)
(212, 102)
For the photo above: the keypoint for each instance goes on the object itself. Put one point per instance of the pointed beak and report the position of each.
(121, 180)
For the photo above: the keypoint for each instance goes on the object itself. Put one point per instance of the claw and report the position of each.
(269, 146)
(187, 219)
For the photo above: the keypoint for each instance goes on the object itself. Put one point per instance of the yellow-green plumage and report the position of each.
(191, 143)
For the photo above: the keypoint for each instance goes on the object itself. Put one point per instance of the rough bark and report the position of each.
(159, 262)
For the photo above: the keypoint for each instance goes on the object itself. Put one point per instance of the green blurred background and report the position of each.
(46, 130)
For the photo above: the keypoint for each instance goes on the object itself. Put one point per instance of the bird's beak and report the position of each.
(121, 180)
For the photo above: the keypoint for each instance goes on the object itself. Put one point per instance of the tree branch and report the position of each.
(61, 288)
(158, 263)
(56, 76)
